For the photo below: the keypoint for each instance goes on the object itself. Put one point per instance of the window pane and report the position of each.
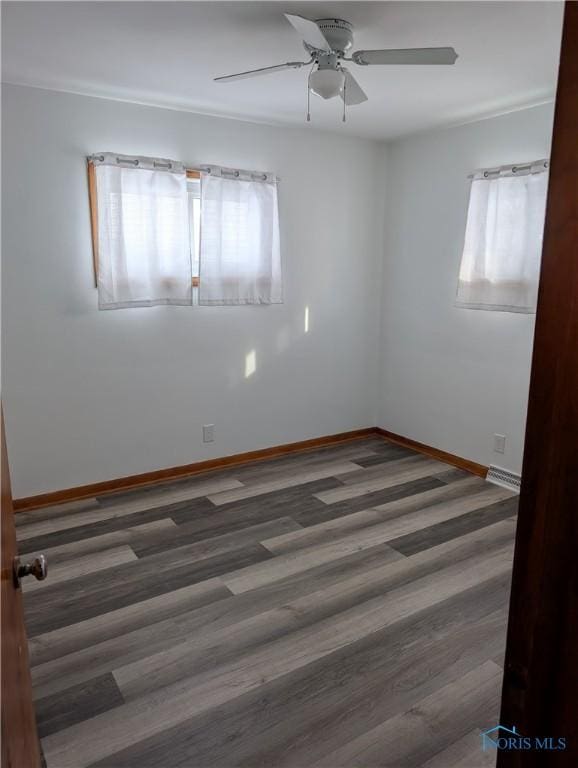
(194, 192)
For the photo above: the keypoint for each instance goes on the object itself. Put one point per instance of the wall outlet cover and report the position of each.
(208, 433)
(500, 443)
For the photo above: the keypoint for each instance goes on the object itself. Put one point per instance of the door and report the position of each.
(20, 747)
(540, 693)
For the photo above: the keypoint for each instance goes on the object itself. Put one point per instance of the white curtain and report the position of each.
(144, 254)
(240, 259)
(503, 244)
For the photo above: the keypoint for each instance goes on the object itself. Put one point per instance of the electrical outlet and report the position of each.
(208, 433)
(500, 443)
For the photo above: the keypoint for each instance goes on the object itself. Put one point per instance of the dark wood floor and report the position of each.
(342, 607)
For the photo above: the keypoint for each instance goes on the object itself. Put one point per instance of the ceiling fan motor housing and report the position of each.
(337, 32)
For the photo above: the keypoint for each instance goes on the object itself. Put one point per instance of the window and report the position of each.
(500, 264)
(239, 253)
(140, 231)
(159, 230)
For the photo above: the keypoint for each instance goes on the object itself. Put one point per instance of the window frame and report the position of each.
(191, 174)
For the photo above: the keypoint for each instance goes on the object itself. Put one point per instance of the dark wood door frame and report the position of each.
(20, 745)
(540, 692)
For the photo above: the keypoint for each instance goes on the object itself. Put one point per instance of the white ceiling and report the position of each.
(166, 53)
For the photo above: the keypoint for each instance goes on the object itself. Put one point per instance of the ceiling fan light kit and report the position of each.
(328, 41)
(327, 83)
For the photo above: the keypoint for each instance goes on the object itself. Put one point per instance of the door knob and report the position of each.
(37, 568)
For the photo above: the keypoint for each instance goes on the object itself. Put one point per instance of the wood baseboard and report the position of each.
(174, 473)
(210, 465)
(449, 458)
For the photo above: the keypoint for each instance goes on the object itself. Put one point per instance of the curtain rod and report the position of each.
(235, 173)
(486, 173)
(150, 163)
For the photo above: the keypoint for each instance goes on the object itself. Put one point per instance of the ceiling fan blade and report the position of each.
(352, 92)
(261, 71)
(406, 56)
(309, 31)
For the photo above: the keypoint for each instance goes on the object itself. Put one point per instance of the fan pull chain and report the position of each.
(344, 87)
(309, 93)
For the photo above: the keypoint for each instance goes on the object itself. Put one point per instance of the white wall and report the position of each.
(451, 377)
(91, 395)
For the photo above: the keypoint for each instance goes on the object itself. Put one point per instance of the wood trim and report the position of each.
(449, 458)
(93, 202)
(173, 473)
(211, 465)
(540, 691)
(19, 737)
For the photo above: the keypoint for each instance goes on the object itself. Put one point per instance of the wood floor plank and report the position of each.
(150, 501)
(322, 533)
(300, 463)
(181, 535)
(385, 469)
(106, 734)
(403, 740)
(326, 642)
(372, 521)
(307, 557)
(453, 475)
(63, 552)
(466, 752)
(288, 480)
(448, 508)
(254, 576)
(400, 471)
(22, 519)
(346, 710)
(318, 512)
(192, 508)
(407, 686)
(339, 585)
(253, 472)
(90, 633)
(422, 499)
(442, 531)
(389, 453)
(296, 719)
(221, 644)
(81, 566)
(63, 604)
(211, 624)
(54, 713)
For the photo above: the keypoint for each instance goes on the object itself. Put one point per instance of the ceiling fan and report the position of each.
(328, 41)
